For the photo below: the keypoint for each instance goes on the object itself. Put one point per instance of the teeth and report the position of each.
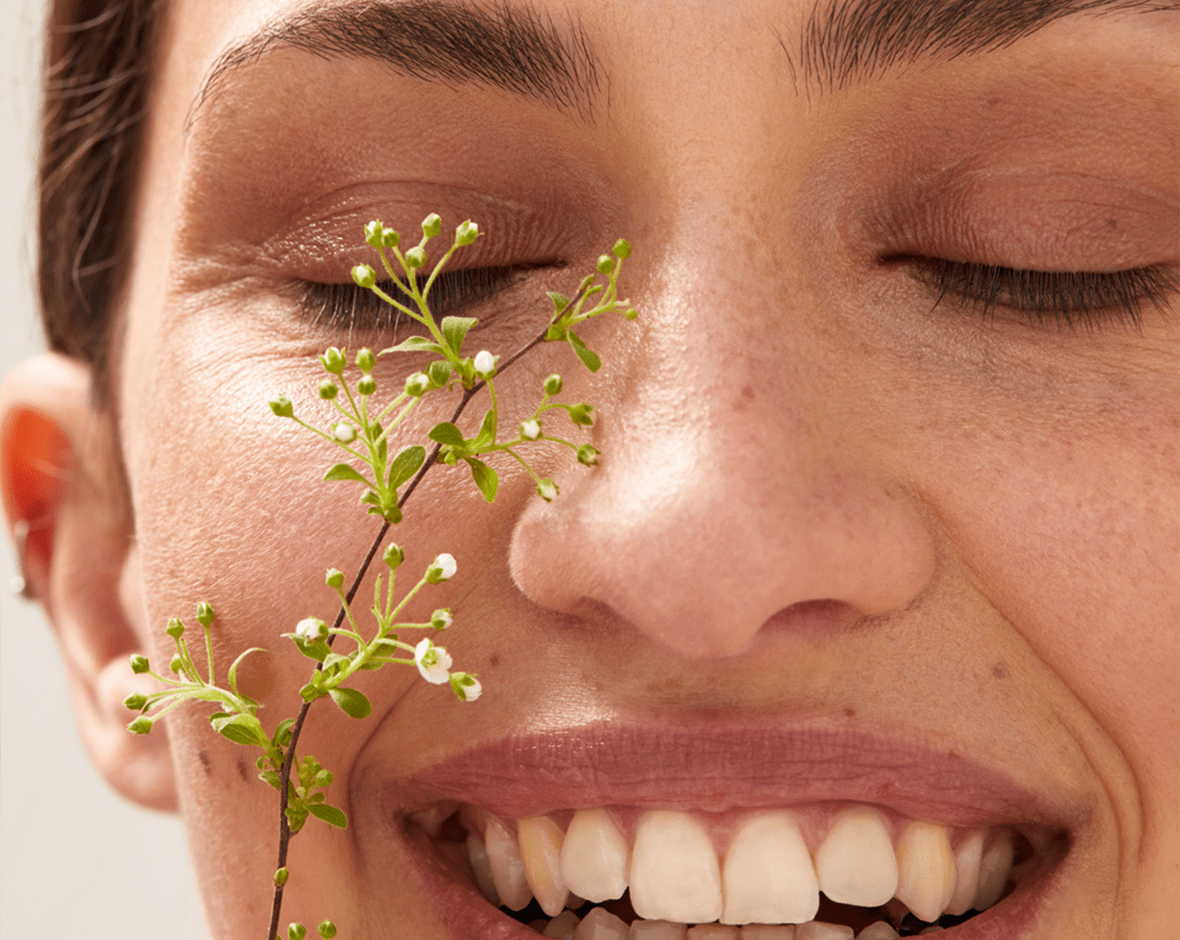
(563, 927)
(674, 871)
(768, 875)
(993, 871)
(926, 869)
(712, 932)
(507, 865)
(656, 930)
(855, 864)
(967, 859)
(595, 856)
(601, 924)
(818, 930)
(878, 931)
(540, 848)
(477, 854)
(767, 932)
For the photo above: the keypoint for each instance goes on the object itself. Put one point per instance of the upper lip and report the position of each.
(724, 767)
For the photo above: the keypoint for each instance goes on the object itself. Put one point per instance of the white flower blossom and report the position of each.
(485, 364)
(434, 662)
(345, 433)
(466, 686)
(530, 430)
(442, 569)
(311, 628)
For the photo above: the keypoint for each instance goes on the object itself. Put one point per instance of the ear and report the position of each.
(58, 477)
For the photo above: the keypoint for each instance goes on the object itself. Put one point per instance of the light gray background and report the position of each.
(75, 859)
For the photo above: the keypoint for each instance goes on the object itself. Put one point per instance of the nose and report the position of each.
(736, 486)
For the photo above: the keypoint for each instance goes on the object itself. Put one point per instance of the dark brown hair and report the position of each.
(97, 68)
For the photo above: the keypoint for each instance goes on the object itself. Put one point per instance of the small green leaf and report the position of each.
(334, 659)
(282, 735)
(269, 776)
(405, 465)
(352, 702)
(560, 301)
(487, 430)
(454, 330)
(485, 478)
(343, 471)
(439, 371)
(415, 344)
(589, 358)
(241, 729)
(329, 814)
(233, 670)
(447, 433)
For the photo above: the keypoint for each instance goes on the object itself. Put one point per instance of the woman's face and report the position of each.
(846, 547)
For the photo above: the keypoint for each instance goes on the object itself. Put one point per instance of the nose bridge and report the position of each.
(726, 495)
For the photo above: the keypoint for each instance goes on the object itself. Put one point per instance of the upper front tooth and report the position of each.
(674, 871)
(595, 856)
(967, 858)
(540, 848)
(855, 863)
(993, 871)
(768, 875)
(926, 869)
(507, 865)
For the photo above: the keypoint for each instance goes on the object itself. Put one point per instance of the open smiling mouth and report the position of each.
(719, 859)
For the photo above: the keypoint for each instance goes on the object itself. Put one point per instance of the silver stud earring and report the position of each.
(20, 583)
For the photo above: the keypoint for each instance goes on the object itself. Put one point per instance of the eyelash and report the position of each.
(1064, 298)
(344, 306)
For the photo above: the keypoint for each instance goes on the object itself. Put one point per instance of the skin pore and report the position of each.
(827, 506)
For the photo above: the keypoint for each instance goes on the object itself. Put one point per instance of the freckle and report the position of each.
(1000, 671)
(1112, 224)
(204, 758)
(748, 392)
(850, 713)
(992, 102)
(495, 660)
(242, 772)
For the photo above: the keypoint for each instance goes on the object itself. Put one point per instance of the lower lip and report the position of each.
(466, 914)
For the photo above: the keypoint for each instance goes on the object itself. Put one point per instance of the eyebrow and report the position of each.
(511, 48)
(844, 42)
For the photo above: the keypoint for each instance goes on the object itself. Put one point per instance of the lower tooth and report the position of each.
(878, 931)
(601, 924)
(818, 930)
(926, 869)
(993, 871)
(507, 865)
(477, 854)
(563, 927)
(656, 930)
(967, 858)
(767, 932)
(712, 932)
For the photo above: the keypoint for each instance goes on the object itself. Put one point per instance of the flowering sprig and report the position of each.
(362, 429)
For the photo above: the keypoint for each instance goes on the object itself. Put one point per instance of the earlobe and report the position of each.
(80, 563)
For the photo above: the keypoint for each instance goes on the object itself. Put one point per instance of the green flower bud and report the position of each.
(622, 249)
(324, 778)
(364, 275)
(442, 569)
(588, 455)
(390, 238)
(431, 225)
(176, 665)
(175, 628)
(135, 701)
(374, 232)
(296, 932)
(141, 725)
(365, 360)
(547, 490)
(333, 361)
(281, 876)
(553, 384)
(281, 406)
(345, 433)
(327, 930)
(416, 257)
(580, 414)
(394, 556)
(205, 614)
(367, 385)
(328, 390)
(334, 578)
(605, 265)
(466, 233)
(631, 314)
(441, 618)
(418, 384)
(139, 664)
